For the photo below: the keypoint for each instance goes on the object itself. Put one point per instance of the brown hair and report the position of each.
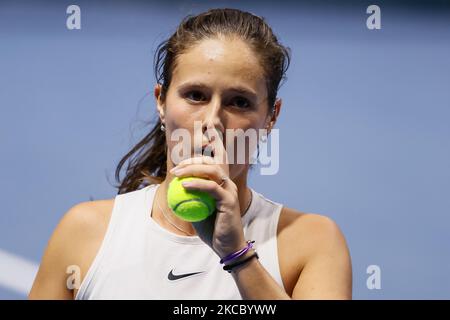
(148, 165)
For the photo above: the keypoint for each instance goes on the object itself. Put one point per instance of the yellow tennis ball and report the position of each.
(189, 205)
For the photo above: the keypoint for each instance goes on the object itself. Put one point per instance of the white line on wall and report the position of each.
(16, 273)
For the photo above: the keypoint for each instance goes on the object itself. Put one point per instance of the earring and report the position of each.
(257, 154)
(263, 137)
(163, 128)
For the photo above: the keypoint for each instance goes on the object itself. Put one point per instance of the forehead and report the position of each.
(220, 62)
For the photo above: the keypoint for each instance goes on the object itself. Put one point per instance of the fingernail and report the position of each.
(186, 184)
(176, 172)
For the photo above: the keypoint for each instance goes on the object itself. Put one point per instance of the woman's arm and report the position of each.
(65, 248)
(327, 273)
(326, 267)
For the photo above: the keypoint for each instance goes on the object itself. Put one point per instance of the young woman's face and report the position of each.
(218, 81)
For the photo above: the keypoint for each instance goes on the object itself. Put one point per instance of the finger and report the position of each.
(220, 154)
(208, 186)
(212, 172)
(194, 160)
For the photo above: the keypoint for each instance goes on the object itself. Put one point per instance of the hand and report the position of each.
(223, 230)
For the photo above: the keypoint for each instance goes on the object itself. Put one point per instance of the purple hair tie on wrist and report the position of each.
(238, 253)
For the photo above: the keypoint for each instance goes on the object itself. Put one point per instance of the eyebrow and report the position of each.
(239, 89)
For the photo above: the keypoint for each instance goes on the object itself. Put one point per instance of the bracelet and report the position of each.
(231, 266)
(238, 253)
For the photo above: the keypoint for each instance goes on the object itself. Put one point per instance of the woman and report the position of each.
(221, 69)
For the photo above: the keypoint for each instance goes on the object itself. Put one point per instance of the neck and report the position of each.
(244, 195)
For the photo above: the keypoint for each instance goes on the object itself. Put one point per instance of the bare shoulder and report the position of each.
(85, 222)
(89, 217)
(304, 238)
(309, 230)
(74, 242)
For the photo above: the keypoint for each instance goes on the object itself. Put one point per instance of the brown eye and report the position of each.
(241, 103)
(194, 95)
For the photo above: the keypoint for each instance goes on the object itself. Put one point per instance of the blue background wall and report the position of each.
(364, 127)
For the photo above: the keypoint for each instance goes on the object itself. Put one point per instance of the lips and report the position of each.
(209, 150)
(205, 145)
(206, 149)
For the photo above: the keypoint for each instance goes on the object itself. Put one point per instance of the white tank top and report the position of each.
(139, 259)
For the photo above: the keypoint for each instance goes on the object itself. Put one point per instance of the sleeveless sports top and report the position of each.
(139, 259)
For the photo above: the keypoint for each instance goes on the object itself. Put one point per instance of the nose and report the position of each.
(213, 116)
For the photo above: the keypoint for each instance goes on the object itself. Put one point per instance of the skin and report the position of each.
(313, 255)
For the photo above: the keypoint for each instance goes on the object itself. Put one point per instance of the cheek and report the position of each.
(178, 115)
(180, 120)
(247, 127)
(242, 145)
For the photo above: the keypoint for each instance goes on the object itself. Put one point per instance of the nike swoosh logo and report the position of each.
(172, 276)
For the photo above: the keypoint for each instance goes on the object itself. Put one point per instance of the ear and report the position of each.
(274, 115)
(160, 106)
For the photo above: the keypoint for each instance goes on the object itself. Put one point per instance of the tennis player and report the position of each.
(221, 68)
